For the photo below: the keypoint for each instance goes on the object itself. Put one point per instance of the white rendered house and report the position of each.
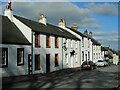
(15, 49)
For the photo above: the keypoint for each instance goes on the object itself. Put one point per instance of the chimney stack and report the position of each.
(74, 26)
(90, 34)
(42, 19)
(62, 23)
(86, 32)
(8, 11)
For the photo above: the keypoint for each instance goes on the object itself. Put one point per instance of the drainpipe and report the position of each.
(62, 53)
(32, 53)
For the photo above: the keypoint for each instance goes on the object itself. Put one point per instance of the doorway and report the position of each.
(47, 63)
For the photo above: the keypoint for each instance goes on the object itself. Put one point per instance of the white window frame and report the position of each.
(66, 58)
(20, 55)
(5, 57)
(76, 59)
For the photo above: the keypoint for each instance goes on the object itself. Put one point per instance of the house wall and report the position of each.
(115, 59)
(13, 69)
(96, 52)
(26, 31)
(79, 49)
(72, 62)
(43, 51)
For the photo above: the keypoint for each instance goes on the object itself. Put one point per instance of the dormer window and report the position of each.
(37, 40)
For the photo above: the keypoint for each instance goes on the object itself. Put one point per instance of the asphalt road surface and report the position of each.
(103, 77)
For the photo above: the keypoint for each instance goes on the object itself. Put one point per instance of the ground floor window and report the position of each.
(56, 60)
(20, 56)
(4, 57)
(66, 58)
(37, 61)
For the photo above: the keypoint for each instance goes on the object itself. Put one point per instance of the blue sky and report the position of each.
(99, 17)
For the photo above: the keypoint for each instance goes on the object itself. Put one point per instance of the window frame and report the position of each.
(66, 58)
(48, 41)
(37, 39)
(66, 41)
(56, 59)
(82, 55)
(82, 41)
(56, 42)
(38, 62)
(18, 50)
(6, 61)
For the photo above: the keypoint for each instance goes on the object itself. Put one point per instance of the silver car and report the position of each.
(101, 63)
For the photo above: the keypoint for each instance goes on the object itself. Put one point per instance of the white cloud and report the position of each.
(56, 10)
(107, 38)
(103, 9)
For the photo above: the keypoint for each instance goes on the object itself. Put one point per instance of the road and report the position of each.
(103, 77)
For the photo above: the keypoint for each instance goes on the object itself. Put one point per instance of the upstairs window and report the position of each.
(56, 60)
(47, 41)
(82, 56)
(56, 42)
(4, 57)
(82, 42)
(66, 40)
(20, 56)
(76, 45)
(71, 43)
(37, 40)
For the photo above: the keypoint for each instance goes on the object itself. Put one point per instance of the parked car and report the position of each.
(101, 63)
(119, 62)
(88, 65)
(108, 61)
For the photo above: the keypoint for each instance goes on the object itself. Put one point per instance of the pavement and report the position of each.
(103, 77)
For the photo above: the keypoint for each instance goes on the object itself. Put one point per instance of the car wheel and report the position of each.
(91, 68)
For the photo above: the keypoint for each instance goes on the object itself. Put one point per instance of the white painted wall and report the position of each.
(13, 69)
(96, 53)
(115, 59)
(52, 51)
(72, 63)
(23, 28)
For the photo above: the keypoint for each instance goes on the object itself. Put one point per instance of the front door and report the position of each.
(72, 61)
(86, 56)
(29, 64)
(47, 63)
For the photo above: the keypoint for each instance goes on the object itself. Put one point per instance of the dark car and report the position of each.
(108, 61)
(119, 62)
(88, 65)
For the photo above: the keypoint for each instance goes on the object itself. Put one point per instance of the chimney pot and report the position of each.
(42, 19)
(62, 23)
(74, 26)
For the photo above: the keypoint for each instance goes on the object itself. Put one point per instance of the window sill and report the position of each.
(48, 47)
(20, 64)
(56, 47)
(37, 46)
(37, 69)
(4, 66)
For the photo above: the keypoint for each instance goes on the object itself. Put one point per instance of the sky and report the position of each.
(101, 18)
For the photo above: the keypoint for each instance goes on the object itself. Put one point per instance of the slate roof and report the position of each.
(46, 29)
(104, 49)
(11, 34)
(81, 34)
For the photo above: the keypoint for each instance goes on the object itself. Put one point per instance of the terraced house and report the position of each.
(39, 47)
(52, 48)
